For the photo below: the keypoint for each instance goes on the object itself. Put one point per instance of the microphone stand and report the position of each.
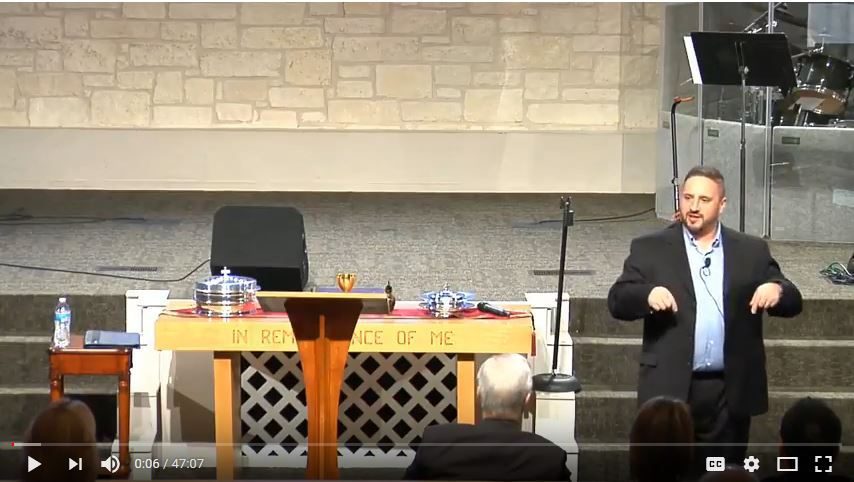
(743, 71)
(558, 382)
(675, 180)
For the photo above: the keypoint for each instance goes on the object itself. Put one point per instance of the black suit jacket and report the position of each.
(666, 361)
(489, 450)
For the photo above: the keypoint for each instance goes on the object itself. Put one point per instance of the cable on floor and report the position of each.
(595, 220)
(838, 274)
(105, 275)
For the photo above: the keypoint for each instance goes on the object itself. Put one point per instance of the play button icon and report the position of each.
(75, 464)
(32, 464)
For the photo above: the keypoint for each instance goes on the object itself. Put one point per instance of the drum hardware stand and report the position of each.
(809, 51)
(760, 24)
(555, 382)
(675, 179)
(742, 158)
(720, 103)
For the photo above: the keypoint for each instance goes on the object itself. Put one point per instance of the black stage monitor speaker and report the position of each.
(263, 242)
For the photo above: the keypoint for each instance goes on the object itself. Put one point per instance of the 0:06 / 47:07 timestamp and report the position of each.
(176, 463)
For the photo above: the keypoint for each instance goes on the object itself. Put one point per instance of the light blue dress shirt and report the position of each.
(708, 291)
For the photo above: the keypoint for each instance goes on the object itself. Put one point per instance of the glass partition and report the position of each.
(679, 21)
(722, 113)
(812, 195)
(799, 178)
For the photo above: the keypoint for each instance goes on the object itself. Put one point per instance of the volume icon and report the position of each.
(111, 464)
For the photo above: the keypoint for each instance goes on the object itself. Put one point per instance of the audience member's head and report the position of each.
(731, 474)
(810, 429)
(661, 441)
(67, 430)
(504, 387)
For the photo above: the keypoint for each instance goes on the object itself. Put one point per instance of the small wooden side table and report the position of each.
(76, 360)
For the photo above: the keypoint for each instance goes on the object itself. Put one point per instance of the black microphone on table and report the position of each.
(487, 308)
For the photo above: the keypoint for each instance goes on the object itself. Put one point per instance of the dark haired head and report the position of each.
(702, 201)
(661, 441)
(66, 428)
(810, 429)
(708, 172)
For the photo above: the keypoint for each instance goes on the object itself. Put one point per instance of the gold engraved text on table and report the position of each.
(442, 338)
(267, 337)
(277, 337)
(367, 338)
(405, 337)
(239, 337)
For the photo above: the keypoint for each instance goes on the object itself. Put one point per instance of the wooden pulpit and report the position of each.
(323, 325)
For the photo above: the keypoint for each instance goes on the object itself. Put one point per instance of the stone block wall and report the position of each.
(400, 66)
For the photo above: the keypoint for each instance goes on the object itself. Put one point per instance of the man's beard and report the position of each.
(694, 228)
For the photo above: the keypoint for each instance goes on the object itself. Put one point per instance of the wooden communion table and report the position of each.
(323, 328)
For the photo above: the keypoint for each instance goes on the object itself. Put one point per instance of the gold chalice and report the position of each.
(346, 281)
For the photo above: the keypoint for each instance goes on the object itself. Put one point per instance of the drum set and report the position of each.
(824, 82)
(820, 97)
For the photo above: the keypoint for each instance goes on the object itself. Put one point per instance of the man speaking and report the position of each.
(701, 289)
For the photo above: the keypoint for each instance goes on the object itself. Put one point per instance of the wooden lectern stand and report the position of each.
(323, 325)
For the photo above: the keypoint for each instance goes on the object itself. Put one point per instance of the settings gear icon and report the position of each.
(751, 464)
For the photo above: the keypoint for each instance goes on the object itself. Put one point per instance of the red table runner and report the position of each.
(410, 313)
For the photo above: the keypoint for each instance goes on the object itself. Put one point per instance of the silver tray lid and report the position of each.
(446, 299)
(227, 283)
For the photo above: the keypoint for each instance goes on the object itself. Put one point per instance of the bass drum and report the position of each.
(823, 84)
(796, 116)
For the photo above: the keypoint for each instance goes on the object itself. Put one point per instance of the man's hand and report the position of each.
(766, 296)
(660, 299)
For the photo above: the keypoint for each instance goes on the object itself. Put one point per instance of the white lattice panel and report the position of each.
(272, 409)
(386, 402)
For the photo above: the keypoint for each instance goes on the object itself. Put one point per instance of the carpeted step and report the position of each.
(32, 315)
(604, 416)
(821, 319)
(819, 365)
(23, 402)
(25, 360)
(12, 463)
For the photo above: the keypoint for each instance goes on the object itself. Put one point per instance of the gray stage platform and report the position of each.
(487, 243)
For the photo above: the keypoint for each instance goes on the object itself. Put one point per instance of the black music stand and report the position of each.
(741, 59)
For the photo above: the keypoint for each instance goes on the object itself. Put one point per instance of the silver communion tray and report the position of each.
(226, 295)
(447, 303)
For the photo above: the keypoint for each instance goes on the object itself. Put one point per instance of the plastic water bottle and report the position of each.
(62, 324)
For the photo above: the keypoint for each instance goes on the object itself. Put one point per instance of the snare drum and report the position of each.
(823, 84)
